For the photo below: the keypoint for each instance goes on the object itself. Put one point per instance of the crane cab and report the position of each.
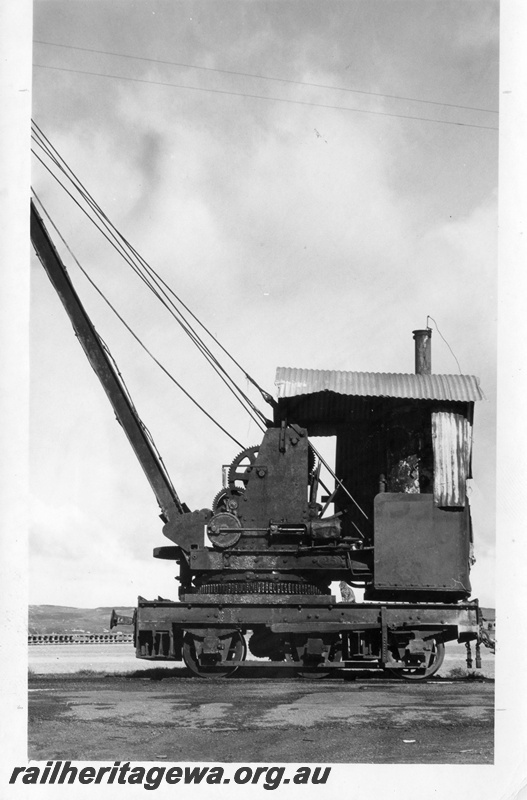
(403, 455)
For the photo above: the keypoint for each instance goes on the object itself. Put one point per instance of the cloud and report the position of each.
(300, 236)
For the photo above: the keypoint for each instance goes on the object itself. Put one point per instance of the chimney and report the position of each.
(423, 351)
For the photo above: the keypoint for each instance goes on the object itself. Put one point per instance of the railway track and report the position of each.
(79, 638)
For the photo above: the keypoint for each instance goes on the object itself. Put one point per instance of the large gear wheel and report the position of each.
(259, 587)
(241, 468)
(227, 500)
(311, 461)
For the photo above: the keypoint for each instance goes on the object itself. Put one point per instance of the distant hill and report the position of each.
(67, 619)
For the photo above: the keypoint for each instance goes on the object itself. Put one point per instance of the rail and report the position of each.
(79, 638)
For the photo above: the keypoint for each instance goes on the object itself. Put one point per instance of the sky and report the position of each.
(306, 226)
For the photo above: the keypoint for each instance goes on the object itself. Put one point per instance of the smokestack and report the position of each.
(423, 351)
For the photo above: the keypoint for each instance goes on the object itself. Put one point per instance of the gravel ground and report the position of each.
(97, 702)
(182, 719)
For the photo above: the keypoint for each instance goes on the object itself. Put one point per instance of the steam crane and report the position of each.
(256, 567)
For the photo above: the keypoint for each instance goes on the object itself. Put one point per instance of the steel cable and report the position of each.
(152, 279)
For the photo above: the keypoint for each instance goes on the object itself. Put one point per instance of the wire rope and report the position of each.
(267, 77)
(125, 323)
(254, 411)
(130, 330)
(267, 97)
(341, 485)
(445, 341)
(238, 393)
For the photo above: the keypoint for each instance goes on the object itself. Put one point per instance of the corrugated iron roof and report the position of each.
(292, 382)
(452, 442)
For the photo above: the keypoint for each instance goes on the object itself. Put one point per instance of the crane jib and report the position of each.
(125, 411)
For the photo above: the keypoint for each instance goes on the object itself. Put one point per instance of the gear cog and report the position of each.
(227, 500)
(311, 460)
(241, 468)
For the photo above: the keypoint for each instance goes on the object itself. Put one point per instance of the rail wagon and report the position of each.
(258, 565)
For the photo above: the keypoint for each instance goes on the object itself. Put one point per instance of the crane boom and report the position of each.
(99, 359)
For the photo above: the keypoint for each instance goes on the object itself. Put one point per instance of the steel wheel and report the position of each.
(436, 662)
(237, 652)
